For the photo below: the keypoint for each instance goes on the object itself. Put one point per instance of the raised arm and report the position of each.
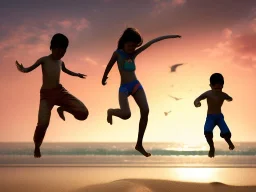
(200, 98)
(23, 69)
(109, 67)
(227, 97)
(144, 47)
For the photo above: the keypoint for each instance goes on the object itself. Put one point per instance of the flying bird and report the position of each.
(176, 98)
(174, 67)
(166, 113)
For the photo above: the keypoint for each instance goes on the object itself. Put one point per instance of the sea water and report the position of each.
(124, 154)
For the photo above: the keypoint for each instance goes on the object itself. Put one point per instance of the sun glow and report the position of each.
(195, 174)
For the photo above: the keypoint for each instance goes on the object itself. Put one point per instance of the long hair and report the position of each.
(130, 35)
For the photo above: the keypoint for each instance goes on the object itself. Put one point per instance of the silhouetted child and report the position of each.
(52, 92)
(215, 98)
(125, 56)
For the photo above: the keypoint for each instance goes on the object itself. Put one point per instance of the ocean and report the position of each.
(124, 155)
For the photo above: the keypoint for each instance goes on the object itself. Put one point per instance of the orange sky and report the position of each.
(213, 40)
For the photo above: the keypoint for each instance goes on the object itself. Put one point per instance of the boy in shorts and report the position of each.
(52, 92)
(215, 98)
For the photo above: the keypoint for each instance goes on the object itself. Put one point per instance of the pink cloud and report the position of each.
(77, 24)
(161, 5)
(227, 33)
(178, 2)
(65, 23)
(33, 38)
(253, 25)
(238, 48)
(83, 24)
(89, 61)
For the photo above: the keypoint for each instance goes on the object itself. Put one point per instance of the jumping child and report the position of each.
(52, 92)
(215, 98)
(125, 56)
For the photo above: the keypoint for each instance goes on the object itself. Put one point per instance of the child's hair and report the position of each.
(216, 78)
(59, 41)
(130, 35)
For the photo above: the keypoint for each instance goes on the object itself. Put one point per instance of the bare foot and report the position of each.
(61, 113)
(37, 152)
(109, 118)
(142, 150)
(211, 153)
(231, 146)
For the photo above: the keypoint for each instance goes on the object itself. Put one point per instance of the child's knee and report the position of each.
(208, 135)
(82, 115)
(226, 135)
(126, 115)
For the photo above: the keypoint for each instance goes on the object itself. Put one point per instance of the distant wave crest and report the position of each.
(123, 152)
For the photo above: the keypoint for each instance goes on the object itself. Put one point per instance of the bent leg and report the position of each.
(225, 132)
(141, 100)
(72, 105)
(44, 116)
(124, 112)
(208, 132)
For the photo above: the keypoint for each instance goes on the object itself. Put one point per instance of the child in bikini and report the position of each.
(125, 57)
(52, 92)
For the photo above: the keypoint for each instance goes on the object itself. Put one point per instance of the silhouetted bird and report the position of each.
(174, 67)
(176, 98)
(166, 113)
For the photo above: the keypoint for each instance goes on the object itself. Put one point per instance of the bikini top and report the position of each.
(129, 64)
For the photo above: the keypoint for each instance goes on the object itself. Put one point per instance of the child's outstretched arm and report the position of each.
(198, 99)
(144, 47)
(108, 68)
(23, 69)
(227, 97)
(65, 70)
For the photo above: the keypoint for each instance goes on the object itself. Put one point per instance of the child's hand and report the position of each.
(177, 36)
(20, 67)
(81, 75)
(104, 80)
(197, 104)
(229, 99)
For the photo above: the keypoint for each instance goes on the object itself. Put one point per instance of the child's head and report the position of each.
(130, 40)
(216, 81)
(59, 45)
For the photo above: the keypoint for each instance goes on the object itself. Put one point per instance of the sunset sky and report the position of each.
(217, 36)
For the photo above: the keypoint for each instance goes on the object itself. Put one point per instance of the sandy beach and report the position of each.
(114, 179)
(153, 185)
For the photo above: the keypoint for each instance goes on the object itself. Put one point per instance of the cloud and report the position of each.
(78, 25)
(253, 25)
(238, 48)
(90, 61)
(161, 5)
(227, 33)
(71, 24)
(33, 37)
